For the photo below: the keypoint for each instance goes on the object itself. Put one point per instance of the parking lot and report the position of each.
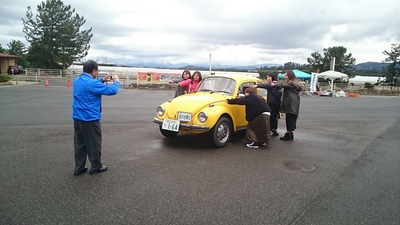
(342, 167)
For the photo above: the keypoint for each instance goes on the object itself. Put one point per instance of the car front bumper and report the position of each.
(185, 126)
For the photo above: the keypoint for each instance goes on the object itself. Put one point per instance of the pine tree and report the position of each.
(393, 69)
(2, 50)
(18, 49)
(343, 62)
(55, 35)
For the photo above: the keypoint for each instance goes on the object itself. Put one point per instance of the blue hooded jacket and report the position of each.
(87, 92)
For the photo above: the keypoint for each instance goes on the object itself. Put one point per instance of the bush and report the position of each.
(4, 78)
(365, 91)
(368, 85)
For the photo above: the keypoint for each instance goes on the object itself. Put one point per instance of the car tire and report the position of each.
(221, 133)
(168, 133)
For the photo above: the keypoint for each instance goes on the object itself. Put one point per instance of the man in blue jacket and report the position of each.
(86, 113)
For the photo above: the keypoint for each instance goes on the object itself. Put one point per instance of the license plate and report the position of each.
(184, 116)
(172, 125)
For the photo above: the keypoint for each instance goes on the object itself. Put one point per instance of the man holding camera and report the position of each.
(86, 113)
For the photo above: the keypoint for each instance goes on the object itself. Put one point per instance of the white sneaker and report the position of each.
(252, 145)
(274, 133)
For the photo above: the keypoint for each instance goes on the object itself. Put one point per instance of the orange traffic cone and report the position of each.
(69, 83)
(47, 83)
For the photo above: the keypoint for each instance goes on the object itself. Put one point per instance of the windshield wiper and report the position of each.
(207, 90)
(227, 92)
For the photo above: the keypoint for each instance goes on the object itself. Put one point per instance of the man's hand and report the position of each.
(111, 77)
(108, 77)
(115, 78)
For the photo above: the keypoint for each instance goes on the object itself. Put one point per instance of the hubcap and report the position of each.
(222, 132)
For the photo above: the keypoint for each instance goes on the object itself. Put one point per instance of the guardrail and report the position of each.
(39, 73)
(131, 77)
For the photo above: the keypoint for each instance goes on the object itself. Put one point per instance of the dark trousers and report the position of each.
(273, 119)
(87, 144)
(291, 120)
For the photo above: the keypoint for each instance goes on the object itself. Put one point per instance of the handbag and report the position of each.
(280, 115)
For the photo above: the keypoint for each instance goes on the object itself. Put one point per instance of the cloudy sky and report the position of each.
(234, 32)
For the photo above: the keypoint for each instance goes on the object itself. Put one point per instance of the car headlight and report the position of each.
(202, 117)
(160, 110)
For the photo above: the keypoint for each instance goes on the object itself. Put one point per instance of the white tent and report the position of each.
(331, 75)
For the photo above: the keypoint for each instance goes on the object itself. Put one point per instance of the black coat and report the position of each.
(255, 105)
(274, 94)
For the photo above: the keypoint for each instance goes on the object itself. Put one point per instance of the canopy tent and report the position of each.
(332, 75)
(299, 74)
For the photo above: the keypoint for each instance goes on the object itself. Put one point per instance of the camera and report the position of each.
(111, 77)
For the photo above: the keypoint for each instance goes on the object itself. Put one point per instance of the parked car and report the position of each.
(12, 70)
(206, 110)
(21, 70)
(15, 70)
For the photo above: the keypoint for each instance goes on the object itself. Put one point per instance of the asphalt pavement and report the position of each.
(342, 167)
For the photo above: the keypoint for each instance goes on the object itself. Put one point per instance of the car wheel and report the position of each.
(221, 132)
(168, 133)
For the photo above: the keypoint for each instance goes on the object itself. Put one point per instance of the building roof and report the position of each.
(2, 55)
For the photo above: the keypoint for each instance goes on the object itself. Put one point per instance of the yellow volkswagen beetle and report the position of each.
(206, 110)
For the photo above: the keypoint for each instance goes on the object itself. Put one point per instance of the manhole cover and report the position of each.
(299, 166)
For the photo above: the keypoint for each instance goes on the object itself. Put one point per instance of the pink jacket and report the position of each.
(189, 87)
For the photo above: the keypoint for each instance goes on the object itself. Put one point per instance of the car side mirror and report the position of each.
(240, 95)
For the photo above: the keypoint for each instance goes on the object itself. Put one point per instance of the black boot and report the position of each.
(287, 137)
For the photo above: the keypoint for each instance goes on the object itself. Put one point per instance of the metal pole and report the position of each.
(333, 59)
(127, 80)
(210, 63)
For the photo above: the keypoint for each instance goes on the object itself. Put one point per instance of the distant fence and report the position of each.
(133, 78)
(127, 78)
(152, 77)
(38, 72)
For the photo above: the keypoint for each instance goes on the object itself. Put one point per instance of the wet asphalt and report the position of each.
(342, 168)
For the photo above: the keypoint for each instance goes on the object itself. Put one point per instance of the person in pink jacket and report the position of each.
(191, 84)
(179, 89)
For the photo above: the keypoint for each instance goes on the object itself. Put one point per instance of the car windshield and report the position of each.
(217, 84)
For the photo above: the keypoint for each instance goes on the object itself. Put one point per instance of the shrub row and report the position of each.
(365, 91)
(4, 78)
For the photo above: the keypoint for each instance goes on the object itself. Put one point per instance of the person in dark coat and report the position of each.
(274, 95)
(290, 102)
(257, 114)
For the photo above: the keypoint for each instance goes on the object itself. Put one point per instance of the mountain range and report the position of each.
(360, 66)
(371, 66)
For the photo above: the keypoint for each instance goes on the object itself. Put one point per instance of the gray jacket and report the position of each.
(290, 97)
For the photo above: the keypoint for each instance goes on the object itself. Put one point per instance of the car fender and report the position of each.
(215, 111)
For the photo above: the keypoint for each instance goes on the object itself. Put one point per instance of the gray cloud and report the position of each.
(240, 33)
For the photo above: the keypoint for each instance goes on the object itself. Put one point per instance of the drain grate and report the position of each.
(299, 166)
